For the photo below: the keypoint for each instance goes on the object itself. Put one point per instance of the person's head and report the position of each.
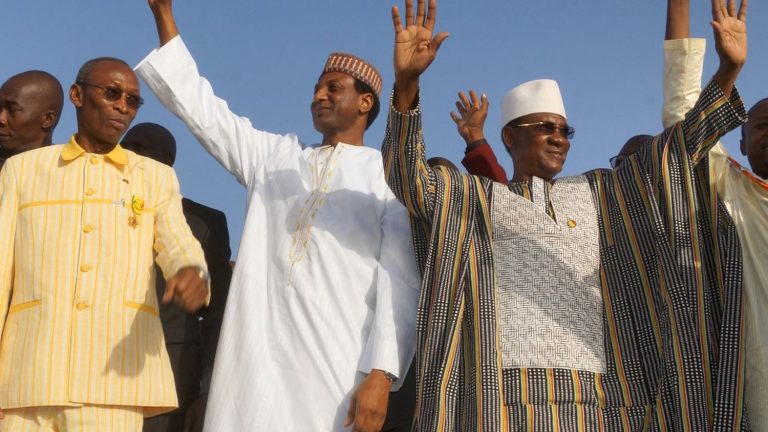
(151, 140)
(107, 97)
(633, 145)
(535, 132)
(441, 161)
(754, 138)
(30, 108)
(346, 95)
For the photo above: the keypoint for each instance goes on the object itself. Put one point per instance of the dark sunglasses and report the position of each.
(549, 128)
(114, 94)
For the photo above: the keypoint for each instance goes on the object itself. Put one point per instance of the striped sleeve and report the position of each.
(175, 244)
(713, 116)
(405, 166)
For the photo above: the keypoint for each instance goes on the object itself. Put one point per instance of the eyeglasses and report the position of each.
(114, 94)
(616, 160)
(549, 128)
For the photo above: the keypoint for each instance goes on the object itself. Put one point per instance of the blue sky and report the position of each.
(264, 57)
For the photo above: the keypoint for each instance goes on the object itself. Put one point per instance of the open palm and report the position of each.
(730, 29)
(415, 48)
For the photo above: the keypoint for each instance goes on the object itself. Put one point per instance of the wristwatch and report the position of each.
(202, 274)
(390, 377)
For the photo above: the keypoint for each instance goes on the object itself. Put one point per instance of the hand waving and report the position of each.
(471, 117)
(730, 32)
(415, 48)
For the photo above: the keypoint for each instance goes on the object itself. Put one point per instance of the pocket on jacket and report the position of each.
(142, 307)
(23, 306)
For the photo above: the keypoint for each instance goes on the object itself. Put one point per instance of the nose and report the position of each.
(3, 117)
(320, 95)
(558, 139)
(122, 104)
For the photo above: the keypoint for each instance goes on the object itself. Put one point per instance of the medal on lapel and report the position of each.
(137, 207)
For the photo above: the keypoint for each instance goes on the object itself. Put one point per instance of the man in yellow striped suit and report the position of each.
(80, 226)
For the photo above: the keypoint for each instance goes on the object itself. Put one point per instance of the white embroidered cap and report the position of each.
(537, 96)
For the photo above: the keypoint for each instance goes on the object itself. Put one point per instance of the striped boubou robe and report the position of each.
(668, 279)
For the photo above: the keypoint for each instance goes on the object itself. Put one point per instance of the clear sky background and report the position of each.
(264, 58)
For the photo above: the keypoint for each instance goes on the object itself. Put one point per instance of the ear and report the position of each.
(366, 103)
(76, 95)
(508, 138)
(743, 147)
(49, 119)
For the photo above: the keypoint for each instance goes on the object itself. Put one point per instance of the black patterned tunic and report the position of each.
(669, 276)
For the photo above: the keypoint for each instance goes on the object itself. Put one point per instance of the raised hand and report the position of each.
(471, 117)
(730, 32)
(162, 10)
(415, 48)
(730, 41)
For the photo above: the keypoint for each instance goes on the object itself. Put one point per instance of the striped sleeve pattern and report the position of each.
(458, 368)
(670, 278)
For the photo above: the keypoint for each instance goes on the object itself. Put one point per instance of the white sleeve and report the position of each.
(391, 343)
(683, 64)
(172, 75)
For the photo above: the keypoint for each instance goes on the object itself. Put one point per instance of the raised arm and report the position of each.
(678, 19)
(172, 75)
(479, 158)
(718, 109)
(164, 20)
(415, 50)
(405, 165)
(683, 64)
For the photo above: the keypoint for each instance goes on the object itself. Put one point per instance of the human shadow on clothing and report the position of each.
(143, 340)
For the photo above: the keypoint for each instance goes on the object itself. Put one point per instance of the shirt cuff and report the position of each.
(475, 144)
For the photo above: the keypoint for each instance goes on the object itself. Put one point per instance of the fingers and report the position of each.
(351, 412)
(455, 117)
(484, 102)
(717, 10)
(170, 289)
(421, 12)
(409, 13)
(396, 22)
(464, 101)
(367, 419)
(743, 11)
(437, 41)
(431, 15)
(731, 7)
(475, 101)
(189, 289)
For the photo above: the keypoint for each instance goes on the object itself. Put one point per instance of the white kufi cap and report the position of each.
(537, 96)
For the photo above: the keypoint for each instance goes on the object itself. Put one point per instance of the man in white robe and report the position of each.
(320, 319)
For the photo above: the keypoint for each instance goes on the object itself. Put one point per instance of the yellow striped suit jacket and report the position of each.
(79, 233)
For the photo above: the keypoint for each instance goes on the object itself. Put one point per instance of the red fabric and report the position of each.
(481, 161)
